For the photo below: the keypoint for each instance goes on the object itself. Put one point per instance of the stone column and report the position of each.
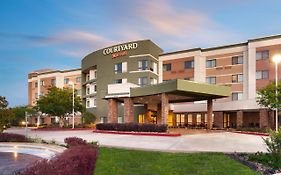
(209, 113)
(112, 111)
(264, 122)
(218, 119)
(271, 118)
(128, 110)
(239, 119)
(146, 113)
(164, 108)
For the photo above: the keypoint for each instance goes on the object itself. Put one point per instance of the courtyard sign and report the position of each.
(120, 50)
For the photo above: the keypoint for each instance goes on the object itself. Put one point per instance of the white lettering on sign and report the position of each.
(120, 48)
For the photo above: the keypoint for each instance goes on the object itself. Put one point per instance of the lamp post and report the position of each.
(276, 59)
(72, 84)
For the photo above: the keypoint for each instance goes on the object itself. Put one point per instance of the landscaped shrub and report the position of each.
(132, 127)
(253, 129)
(74, 141)
(78, 159)
(9, 137)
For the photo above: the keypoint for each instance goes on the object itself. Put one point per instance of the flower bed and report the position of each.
(132, 127)
(80, 158)
(137, 133)
(252, 133)
(9, 137)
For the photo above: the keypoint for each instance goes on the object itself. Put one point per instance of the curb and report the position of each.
(251, 133)
(137, 133)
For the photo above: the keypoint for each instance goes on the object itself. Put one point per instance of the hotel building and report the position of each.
(138, 82)
(41, 80)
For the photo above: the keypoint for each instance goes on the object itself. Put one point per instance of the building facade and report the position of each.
(113, 71)
(41, 80)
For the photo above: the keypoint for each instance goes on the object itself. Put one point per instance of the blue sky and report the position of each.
(59, 33)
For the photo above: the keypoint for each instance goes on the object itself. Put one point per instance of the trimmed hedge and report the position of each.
(9, 137)
(132, 127)
(79, 159)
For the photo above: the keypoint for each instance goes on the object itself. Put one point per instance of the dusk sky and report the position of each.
(57, 34)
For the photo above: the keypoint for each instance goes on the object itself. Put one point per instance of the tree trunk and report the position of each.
(61, 122)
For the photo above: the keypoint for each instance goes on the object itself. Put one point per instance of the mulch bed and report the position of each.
(253, 165)
(137, 133)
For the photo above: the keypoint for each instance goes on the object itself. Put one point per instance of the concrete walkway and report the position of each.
(209, 142)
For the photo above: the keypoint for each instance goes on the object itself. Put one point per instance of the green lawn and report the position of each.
(113, 161)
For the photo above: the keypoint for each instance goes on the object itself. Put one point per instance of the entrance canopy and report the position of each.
(178, 91)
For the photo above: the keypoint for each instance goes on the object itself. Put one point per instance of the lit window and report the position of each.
(211, 63)
(189, 64)
(142, 81)
(263, 74)
(237, 60)
(237, 96)
(167, 67)
(143, 65)
(237, 78)
(66, 80)
(211, 80)
(118, 68)
(261, 55)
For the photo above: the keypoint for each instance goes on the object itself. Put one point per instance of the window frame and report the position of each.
(191, 66)
(168, 65)
(213, 63)
(235, 60)
(118, 68)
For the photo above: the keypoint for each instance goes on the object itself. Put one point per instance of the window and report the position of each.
(211, 63)
(167, 67)
(118, 81)
(88, 90)
(78, 91)
(189, 64)
(88, 103)
(95, 88)
(103, 119)
(120, 119)
(36, 84)
(261, 55)
(143, 81)
(143, 65)
(66, 80)
(263, 74)
(87, 77)
(118, 68)
(153, 81)
(94, 102)
(237, 60)
(237, 78)
(237, 96)
(211, 80)
(42, 83)
(78, 79)
(53, 82)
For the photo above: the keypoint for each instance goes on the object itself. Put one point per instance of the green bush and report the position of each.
(88, 117)
(273, 142)
(266, 159)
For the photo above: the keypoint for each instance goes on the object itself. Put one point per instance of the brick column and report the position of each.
(209, 113)
(271, 118)
(264, 122)
(112, 111)
(218, 119)
(146, 113)
(164, 108)
(128, 110)
(239, 119)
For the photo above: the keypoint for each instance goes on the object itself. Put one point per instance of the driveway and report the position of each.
(207, 142)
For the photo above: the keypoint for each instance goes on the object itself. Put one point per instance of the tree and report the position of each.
(58, 102)
(88, 117)
(267, 96)
(19, 112)
(3, 102)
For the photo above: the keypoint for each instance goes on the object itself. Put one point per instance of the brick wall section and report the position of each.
(209, 113)
(112, 111)
(164, 108)
(218, 119)
(128, 110)
(264, 122)
(239, 119)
